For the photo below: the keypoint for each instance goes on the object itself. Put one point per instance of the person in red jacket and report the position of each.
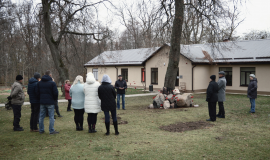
(67, 96)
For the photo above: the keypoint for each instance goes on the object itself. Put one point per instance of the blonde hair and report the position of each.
(78, 78)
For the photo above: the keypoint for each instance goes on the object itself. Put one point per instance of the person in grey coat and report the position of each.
(252, 92)
(221, 94)
(17, 95)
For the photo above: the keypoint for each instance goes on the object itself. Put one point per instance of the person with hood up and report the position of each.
(17, 95)
(221, 94)
(252, 92)
(47, 92)
(91, 102)
(77, 94)
(212, 98)
(67, 96)
(34, 100)
(107, 95)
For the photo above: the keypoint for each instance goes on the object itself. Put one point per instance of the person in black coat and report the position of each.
(107, 95)
(121, 85)
(252, 92)
(212, 98)
(34, 100)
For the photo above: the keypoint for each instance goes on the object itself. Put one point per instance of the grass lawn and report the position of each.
(240, 136)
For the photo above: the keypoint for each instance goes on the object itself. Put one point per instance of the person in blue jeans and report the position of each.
(252, 92)
(121, 85)
(47, 92)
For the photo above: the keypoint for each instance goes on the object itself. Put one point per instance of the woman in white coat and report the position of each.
(92, 101)
(77, 93)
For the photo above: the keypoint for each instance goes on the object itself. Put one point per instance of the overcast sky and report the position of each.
(255, 12)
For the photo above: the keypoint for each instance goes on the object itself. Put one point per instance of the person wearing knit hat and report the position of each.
(252, 92)
(221, 94)
(17, 95)
(34, 101)
(212, 98)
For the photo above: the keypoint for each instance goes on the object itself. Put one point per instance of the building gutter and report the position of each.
(193, 76)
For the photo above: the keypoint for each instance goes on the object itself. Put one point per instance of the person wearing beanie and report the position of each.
(252, 92)
(34, 101)
(17, 95)
(221, 94)
(212, 98)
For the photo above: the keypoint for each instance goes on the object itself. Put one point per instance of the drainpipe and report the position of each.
(193, 76)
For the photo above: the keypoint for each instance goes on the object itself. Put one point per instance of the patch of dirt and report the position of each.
(118, 120)
(186, 126)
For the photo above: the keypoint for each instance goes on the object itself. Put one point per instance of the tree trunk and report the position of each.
(174, 55)
(53, 45)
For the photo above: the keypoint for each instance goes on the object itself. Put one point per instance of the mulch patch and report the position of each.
(186, 126)
(118, 120)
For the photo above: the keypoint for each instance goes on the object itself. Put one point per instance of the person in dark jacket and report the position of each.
(17, 95)
(107, 95)
(47, 92)
(212, 98)
(120, 85)
(34, 100)
(252, 92)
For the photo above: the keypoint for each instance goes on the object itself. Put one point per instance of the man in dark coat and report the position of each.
(47, 92)
(34, 100)
(120, 85)
(221, 94)
(252, 92)
(212, 98)
(17, 95)
(107, 95)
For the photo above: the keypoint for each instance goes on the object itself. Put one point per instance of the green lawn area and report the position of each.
(240, 136)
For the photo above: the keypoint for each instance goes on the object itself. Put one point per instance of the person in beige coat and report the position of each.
(17, 95)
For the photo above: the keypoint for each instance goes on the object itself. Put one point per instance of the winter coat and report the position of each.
(221, 89)
(91, 101)
(67, 88)
(107, 95)
(122, 84)
(77, 93)
(212, 92)
(17, 93)
(31, 90)
(252, 89)
(47, 91)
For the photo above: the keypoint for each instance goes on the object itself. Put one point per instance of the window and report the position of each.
(143, 75)
(244, 75)
(124, 73)
(228, 74)
(154, 76)
(95, 73)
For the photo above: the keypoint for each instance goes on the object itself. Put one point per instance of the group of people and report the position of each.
(90, 97)
(216, 92)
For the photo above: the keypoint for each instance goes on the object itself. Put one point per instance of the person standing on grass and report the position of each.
(107, 95)
(212, 98)
(67, 96)
(77, 94)
(221, 94)
(252, 92)
(47, 92)
(18, 96)
(120, 85)
(34, 100)
(92, 101)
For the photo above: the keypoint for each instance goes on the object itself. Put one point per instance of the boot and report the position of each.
(218, 114)
(116, 127)
(221, 116)
(93, 128)
(81, 126)
(89, 128)
(107, 128)
(77, 127)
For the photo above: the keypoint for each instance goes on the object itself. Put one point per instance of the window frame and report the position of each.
(123, 74)
(143, 71)
(250, 72)
(94, 74)
(157, 76)
(227, 73)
